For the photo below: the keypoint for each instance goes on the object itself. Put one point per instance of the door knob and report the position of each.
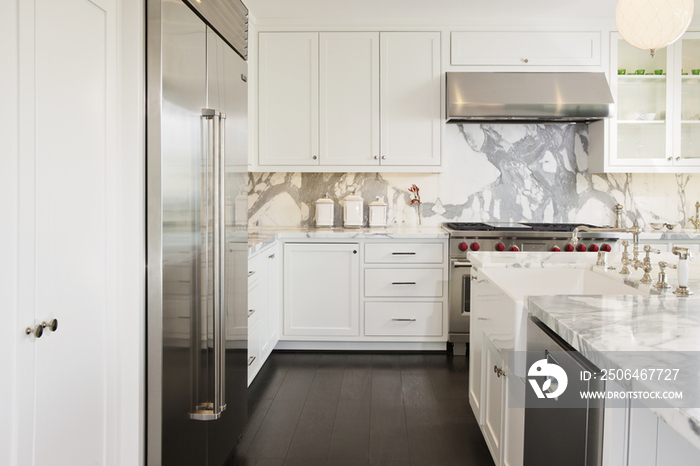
(52, 325)
(37, 332)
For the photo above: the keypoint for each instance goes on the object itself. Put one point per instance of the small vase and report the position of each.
(420, 220)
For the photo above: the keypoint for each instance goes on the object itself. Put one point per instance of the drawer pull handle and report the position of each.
(250, 360)
(251, 312)
(251, 273)
(403, 283)
(404, 320)
(403, 253)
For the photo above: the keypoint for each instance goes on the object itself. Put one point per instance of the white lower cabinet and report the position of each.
(370, 294)
(263, 308)
(321, 289)
(493, 399)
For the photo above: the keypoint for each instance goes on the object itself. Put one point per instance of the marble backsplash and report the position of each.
(492, 173)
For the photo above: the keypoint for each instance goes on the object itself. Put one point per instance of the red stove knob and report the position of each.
(555, 249)
(593, 248)
(606, 248)
(581, 248)
(474, 246)
(463, 247)
(500, 247)
(514, 248)
(569, 248)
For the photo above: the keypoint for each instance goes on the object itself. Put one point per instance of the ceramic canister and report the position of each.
(324, 212)
(353, 206)
(377, 213)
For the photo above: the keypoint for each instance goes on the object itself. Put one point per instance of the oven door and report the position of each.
(460, 289)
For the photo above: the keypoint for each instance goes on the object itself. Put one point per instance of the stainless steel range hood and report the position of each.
(522, 97)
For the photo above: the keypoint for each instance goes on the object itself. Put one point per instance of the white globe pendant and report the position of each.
(653, 24)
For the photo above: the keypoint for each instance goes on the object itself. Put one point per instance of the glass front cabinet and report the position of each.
(656, 128)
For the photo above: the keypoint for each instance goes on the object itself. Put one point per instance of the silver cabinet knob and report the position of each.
(38, 331)
(271, 256)
(383, 157)
(669, 158)
(376, 157)
(314, 157)
(52, 325)
(678, 158)
(526, 60)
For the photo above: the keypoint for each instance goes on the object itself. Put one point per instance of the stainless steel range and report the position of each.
(513, 237)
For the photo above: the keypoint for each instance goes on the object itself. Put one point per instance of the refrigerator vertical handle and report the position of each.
(221, 226)
(212, 410)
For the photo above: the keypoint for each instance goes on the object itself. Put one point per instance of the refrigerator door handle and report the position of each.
(212, 410)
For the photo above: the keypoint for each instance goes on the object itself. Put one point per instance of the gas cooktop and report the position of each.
(502, 226)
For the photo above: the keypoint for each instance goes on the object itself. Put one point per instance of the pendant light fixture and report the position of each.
(653, 24)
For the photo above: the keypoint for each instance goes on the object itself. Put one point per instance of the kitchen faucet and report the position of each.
(635, 230)
(696, 220)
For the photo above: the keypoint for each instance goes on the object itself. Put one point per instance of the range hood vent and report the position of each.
(523, 97)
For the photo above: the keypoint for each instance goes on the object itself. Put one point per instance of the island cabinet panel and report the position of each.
(321, 289)
(288, 98)
(526, 48)
(349, 98)
(493, 399)
(672, 448)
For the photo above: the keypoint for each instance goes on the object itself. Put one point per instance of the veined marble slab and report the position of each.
(259, 238)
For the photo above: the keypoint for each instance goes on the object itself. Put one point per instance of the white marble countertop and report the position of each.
(259, 238)
(662, 326)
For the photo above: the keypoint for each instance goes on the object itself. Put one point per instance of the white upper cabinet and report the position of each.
(349, 98)
(656, 125)
(525, 48)
(288, 98)
(349, 101)
(410, 98)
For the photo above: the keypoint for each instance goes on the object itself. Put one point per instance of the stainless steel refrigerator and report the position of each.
(197, 242)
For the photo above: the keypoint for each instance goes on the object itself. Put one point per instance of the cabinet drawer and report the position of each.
(404, 253)
(254, 360)
(555, 48)
(403, 319)
(402, 283)
(254, 304)
(254, 268)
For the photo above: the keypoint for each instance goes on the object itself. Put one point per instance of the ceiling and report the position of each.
(448, 12)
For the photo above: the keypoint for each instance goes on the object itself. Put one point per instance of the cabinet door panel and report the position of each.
(349, 98)
(410, 98)
(288, 98)
(75, 225)
(321, 289)
(493, 400)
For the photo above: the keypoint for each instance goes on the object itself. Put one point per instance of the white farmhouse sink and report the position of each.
(519, 283)
(507, 315)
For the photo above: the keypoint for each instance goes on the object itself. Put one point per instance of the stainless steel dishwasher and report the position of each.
(565, 429)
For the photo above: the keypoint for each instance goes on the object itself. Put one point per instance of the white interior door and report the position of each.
(74, 207)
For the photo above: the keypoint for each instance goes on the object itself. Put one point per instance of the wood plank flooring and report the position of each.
(361, 409)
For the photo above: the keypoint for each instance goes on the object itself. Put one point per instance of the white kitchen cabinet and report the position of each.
(288, 98)
(525, 48)
(263, 308)
(404, 319)
(404, 283)
(494, 398)
(349, 101)
(349, 98)
(68, 234)
(321, 290)
(655, 127)
(410, 98)
(270, 257)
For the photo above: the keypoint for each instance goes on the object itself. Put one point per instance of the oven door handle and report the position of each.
(458, 264)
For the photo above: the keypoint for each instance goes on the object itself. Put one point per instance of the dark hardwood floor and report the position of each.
(348, 409)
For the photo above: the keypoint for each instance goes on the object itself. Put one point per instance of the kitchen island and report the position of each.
(604, 325)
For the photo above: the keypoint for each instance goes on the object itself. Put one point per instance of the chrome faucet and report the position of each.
(696, 220)
(635, 230)
(646, 264)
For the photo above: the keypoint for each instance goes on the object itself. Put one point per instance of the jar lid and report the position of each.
(353, 197)
(324, 200)
(378, 202)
